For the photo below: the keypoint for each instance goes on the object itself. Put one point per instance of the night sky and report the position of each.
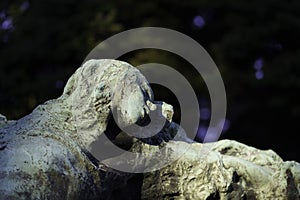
(254, 44)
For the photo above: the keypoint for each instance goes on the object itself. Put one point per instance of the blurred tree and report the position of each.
(254, 43)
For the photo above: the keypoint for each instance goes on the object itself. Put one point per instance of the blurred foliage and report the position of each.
(254, 43)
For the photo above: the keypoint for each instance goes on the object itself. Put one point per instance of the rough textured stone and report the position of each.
(223, 170)
(45, 155)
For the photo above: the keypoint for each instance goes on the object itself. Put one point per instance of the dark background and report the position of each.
(255, 45)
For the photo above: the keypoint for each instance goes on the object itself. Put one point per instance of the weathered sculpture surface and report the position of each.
(45, 155)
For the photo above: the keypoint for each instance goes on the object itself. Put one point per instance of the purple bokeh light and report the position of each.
(258, 64)
(205, 113)
(201, 133)
(7, 24)
(226, 125)
(199, 21)
(24, 6)
(259, 75)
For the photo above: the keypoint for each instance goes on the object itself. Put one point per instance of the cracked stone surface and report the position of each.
(46, 154)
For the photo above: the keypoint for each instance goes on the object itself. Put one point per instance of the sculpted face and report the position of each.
(130, 97)
(101, 88)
